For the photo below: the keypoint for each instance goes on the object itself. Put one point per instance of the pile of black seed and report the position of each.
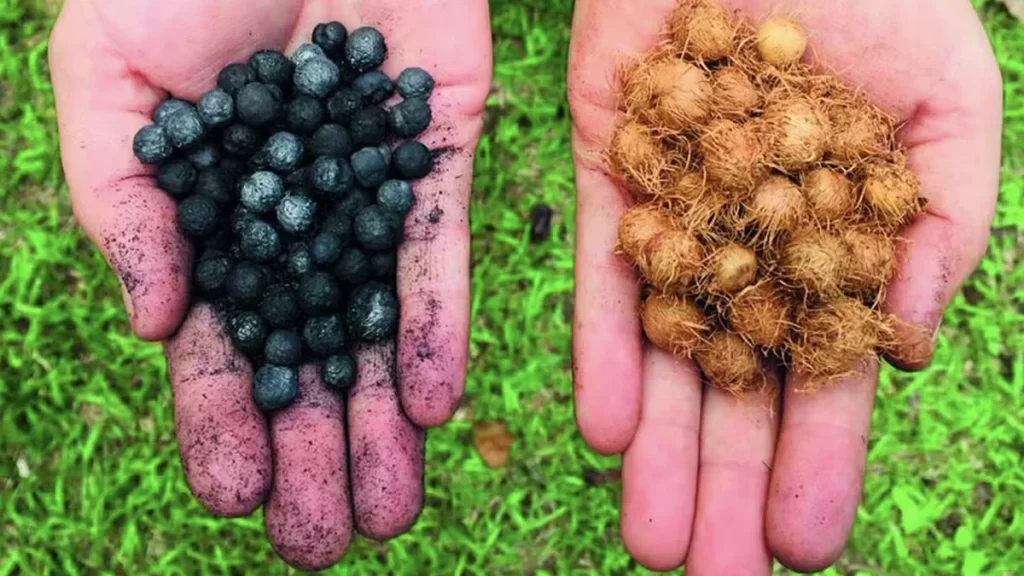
(292, 177)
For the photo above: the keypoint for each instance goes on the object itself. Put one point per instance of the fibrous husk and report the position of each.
(830, 195)
(797, 131)
(732, 268)
(638, 226)
(637, 156)
(816, 261)
(781, 41)
(860, 131)
(890, 192)
(702, 29)
(872, 260)
(777, 205)
(733, 94)
(730, 363)
(680, 96)
(733, 154)
(762, 314)
(670, 260)
(834, 337)
(674, 323)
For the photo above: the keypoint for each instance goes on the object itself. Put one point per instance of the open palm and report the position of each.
(726, 486)
(320, 469)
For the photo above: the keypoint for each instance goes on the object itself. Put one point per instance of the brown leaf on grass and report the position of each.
(1015, 7)
(599, 477)
(492, 441)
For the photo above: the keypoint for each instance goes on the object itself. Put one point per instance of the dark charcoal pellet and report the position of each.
(331, 176)
(240, 219)
(234, 77)
(330, 36)
(412, 160)
(241, 139)
(216, 184)
(234, 167)
(211, 273)
(197, 216)
(385, 151)
(372, 314)
(356, 200)
(283, 152)
(396, 196)
(273, 67)
(279, 307)
(324, 335)
(374, 86)
(221, 240)
(331, 140)
(343, 105)
(177, 177)
(304, 115)
(248, 331)
(319, 293)
(325, 248)
(284, 348)
(317, 77)
(376, 229)
(299, 262)
(369, 127)
(540, 222)
(256, 105)
(262, 191)
(206, 154)
(414, 83)
(246, 283)
(260, 242)
(339, 372)
(305, 53)
(275, 387)
(167, 108)
(409, 117)
(365, 49)
(216, 108)
(152, 145)
(353, 267)
(369, 167)
(339, 224)
(384, 265)
(295, 213)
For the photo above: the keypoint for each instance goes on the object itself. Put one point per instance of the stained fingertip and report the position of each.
(222, 436)
(308, 516)
(386, 450)
(912, 346)
(432, 360)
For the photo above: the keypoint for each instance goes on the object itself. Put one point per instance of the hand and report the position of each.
(723, 485)
(113, 61)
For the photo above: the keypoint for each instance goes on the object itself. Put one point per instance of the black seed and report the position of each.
(221, 240)
(304, 115)
(409, 117)
(295, 213)
(412, 160)
(339, 372)
(331, 176)
(319, 293)
(325, 248)
(273, 67)
(339, 224)
(177, 177)
(331, 140)
(152, 145)
(374, 86)
(234, 77)
(324, 335)
(212, 271)
(317, 77)
(369, 167)
(343, 105)
(216, 108)
(355, 201)
(372, 314)
(384, 265)
(365, 49)
(206, 154)
(256, 105)
(348, 74)
(540, 222)
(353, 267)
(216, 184)
(260, 242)
(279, 307)
(240, 219)
(197, 216)
(262, 191)
(167, 108)
(376, 229)
(248, 331)
(307, 52)
(246, 284)
(396, 196)
(283, 152)
(275, 387)
(299, 261)
(241, 140)
(385, 151)
(330, 36)
(415, 83)
(234, 167)
(369, 127)
(284, 348)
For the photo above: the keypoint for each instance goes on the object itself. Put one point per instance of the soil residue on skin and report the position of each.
(431, 357)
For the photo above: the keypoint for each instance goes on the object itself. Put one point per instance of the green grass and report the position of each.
(90, 480)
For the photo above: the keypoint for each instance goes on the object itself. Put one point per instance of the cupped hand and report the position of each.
(321, 470)
(726, 485)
